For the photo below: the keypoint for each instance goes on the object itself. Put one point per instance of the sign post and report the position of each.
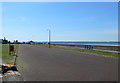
(11, 48)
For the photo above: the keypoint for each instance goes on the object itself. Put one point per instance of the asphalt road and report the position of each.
(53, 64)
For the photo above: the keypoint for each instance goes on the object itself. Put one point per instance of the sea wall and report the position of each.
(91, 47)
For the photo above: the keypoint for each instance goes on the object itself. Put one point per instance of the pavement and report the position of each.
(53, 64)
(112, 51)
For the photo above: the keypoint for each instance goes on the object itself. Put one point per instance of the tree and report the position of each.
(16, 42)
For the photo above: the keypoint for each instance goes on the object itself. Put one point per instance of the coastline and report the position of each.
(107, 53)
(92, 47)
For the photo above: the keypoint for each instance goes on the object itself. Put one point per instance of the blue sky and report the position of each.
(68, 21)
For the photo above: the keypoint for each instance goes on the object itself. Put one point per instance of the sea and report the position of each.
(87, 43)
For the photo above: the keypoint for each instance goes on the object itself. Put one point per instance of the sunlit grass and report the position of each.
(6, 55)
(85, 50)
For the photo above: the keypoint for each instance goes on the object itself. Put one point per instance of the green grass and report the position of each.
(8, 59)
(42, 45)
(87, 51)
(95, 52)
(5, 49)
(6, 56)
(0, 50)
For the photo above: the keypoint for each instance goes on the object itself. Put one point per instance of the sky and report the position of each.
(68, 21)
(60, 0)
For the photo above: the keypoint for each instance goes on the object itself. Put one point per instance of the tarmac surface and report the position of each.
(38, 63)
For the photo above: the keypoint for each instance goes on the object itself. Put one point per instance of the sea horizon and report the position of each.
(103, 43)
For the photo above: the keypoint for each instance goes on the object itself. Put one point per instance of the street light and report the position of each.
(49, 35)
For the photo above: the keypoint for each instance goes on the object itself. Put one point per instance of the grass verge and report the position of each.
(87, 51)
(6, 57)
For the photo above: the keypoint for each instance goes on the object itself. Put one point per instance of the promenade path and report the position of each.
(93, 49)
(39, 63)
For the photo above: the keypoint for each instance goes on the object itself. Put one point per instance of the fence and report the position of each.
(91, 47)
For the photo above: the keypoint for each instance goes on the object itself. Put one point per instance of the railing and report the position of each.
(91, 47)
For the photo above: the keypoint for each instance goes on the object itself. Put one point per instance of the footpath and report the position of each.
(10, 75)
(93, 49)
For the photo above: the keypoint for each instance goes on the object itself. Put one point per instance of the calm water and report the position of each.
(87, 43)
(90, 43)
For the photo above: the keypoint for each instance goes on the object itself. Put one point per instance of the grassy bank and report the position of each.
(85, 50)
(8, 59)
(0, 50)
(6, 56)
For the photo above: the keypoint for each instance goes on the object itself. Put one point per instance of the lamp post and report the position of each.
(49, 35)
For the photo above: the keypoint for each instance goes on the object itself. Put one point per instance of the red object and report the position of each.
(11, 48)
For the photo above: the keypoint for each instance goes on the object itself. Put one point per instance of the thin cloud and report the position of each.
(23, 18)
(111, 31)
(91, 18)
(60, 0)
